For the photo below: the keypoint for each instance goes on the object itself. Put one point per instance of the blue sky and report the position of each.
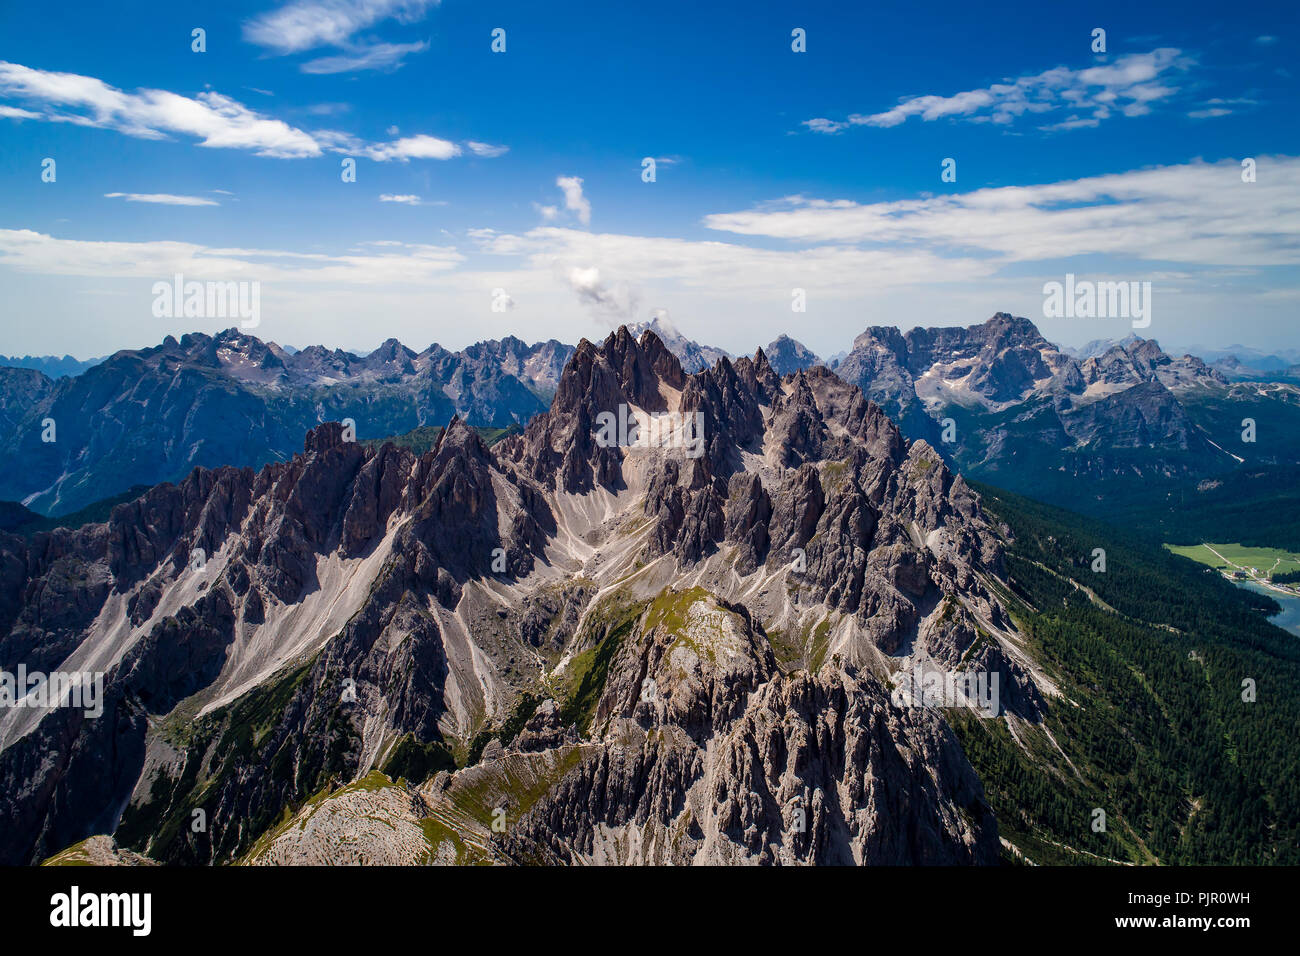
(521, 171)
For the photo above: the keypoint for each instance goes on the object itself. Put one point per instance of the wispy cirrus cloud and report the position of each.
(1197, 213)
(1128, 86)
(164, 199)
(215, 120)
(35, 252)
(487, 149)
(409, 199)
(311, 24)
(380, 56)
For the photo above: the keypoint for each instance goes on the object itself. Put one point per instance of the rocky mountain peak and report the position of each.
(787, 355)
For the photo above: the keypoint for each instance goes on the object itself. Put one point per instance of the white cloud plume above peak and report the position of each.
(1126, 86)
(574, 200)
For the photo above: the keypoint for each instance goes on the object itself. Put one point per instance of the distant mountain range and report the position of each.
(150, 415)
(1005, 405)
(50, 365)
(998, 400)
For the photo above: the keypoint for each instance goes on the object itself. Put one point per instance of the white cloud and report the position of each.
(487, 149)
(548, 213)
(1215, 245)
(380, 56)
(1097, 88)
(165, 199)
(1210, 113)
(402, 198)
(413, 147)
(823, 125)
(308, 24)
(1198, 212)
(217, 121)
(574, 200)
(34, 252)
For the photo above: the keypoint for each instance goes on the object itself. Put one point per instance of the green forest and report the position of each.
(1151, 725)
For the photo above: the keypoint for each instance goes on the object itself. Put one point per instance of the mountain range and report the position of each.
(145, 416)
(997, 400)
(697, 637)
(1004, 404)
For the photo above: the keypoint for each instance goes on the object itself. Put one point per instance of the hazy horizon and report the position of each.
(1178, 348)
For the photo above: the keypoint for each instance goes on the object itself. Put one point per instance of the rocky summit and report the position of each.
(666, 623)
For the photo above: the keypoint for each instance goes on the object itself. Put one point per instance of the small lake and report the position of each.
(1290, 616)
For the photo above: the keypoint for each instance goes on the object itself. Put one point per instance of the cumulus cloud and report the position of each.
(413, 147)
(165, 199)
(1127, 86)
(574, 200)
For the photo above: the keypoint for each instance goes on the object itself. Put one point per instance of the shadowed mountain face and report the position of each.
(677, 642)
(141, 417)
